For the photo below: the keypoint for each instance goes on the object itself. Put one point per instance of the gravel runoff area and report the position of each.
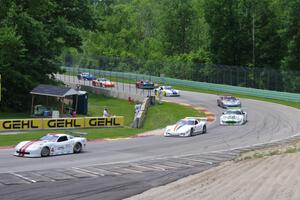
(274, 177)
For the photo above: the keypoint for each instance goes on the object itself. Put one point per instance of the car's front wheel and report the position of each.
(191, 132)
(77, 148)
(204, 130)
(45, 152)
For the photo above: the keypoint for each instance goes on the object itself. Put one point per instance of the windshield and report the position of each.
(233, 112)
(168, 87)
(51, 138)
(185, 122)
(229, 98)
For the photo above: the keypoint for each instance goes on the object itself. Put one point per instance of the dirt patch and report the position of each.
(153, 132)
(273, 175)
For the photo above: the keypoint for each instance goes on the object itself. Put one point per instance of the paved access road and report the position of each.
(119, 169)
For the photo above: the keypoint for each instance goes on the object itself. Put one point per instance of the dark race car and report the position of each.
(86, 76)
(147, 85)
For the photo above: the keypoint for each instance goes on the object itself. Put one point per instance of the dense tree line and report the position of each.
(32, 36)
(178, 38)
(261, 33)
(160, 35)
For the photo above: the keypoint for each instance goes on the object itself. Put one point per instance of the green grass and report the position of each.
(158, 116)
(115, 106)
(167, 113)
(6, 115)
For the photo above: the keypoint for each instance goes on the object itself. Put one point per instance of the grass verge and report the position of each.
(158, 116)
(291, 147)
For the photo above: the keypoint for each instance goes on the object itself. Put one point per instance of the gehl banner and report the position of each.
(61, 123)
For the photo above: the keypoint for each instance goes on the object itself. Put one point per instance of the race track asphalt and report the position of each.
(122, 168)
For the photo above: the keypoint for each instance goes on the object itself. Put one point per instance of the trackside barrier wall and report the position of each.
(61, 123)
(141, 115)
(295, 97)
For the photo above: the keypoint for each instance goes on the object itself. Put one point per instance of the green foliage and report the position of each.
(177, 26)
(33, 35)
(117, 107)
(243, 32)
(177, 38)
(292, 36)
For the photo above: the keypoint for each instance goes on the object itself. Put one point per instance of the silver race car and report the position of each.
(228, 101)
(51, 144)
(188, 126)
(233, 117)
(167, 91)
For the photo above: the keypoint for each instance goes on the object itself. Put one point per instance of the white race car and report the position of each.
(233, 117)
(51, 144)
(167, 91)
(188, 126)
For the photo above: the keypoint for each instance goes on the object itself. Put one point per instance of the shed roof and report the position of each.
(54, 91)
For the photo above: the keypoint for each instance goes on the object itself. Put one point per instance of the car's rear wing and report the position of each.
(198, 118)
(81, 134)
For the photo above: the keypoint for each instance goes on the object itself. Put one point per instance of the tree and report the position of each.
(291, 59)
(260, 42)
(221, 17)
(177, 26)
(291, 35)
(35, 32)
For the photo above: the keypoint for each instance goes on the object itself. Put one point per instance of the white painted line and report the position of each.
(23, 177)
(197, 160)
(159, 167)
(105, 170)
(90, 173)
(184, 164)
(147, 168)
(130, 170)
(36, 174)
(165, 167)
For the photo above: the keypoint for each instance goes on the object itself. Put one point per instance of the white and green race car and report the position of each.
(235, 116)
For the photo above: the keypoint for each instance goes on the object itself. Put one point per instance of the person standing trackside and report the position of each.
(160, 95)
(105, 113)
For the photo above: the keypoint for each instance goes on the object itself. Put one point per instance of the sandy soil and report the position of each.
(153, 132)
(269, 178)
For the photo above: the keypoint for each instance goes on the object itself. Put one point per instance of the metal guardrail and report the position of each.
(294, 97)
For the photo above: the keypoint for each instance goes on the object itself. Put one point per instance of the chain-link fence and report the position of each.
(124, 83)
(260, 78)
